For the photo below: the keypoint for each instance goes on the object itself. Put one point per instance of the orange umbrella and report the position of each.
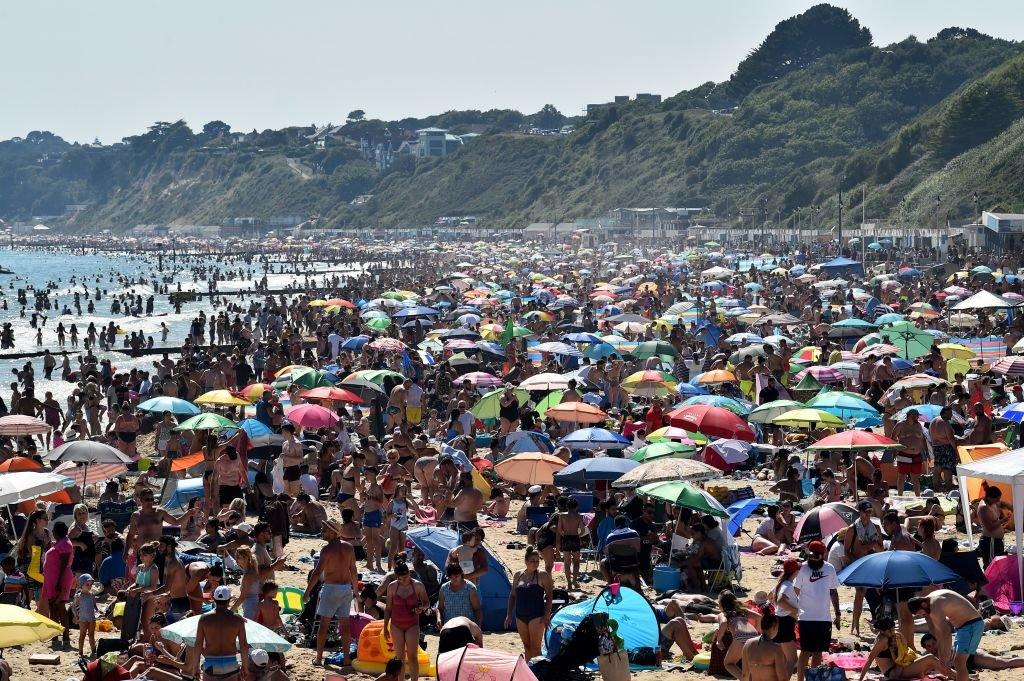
(341, 302)
(20, 463)
(716, 376)
(577, 412)
(183, 463)
(58, 497)
(530, 468)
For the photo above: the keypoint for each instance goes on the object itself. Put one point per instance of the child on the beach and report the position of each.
(84, 606)
(392, 670)
(269, 611)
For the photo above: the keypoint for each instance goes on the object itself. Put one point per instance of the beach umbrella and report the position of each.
(25, 485)
(843, 405)
(850, 328)
(824, 521)
(716, 376)
(917, 381)
(673, 434)
(661, 450)
(488, 406)
(684, 494)
(576, 412)
(595, 438)
(89, 451)
(582, 471)
(21, 626)
(482, 379)
(889, 318)
(713, 421)
(896, 569)
(911, 341)
(544, 382)
(311, 416)
(207, 422)
(530, 468)
(926, 412)
(254, 392)
(378, 323)
(365, 389)
(667, 469)
(258, 636)
(17, 425)
(769, 410)
(731, 452)
(83, 474)
(355, 343)
(956, 351)
(738, 407)
(221, 397)
(654, 348)
(20, 463)
(854, 441)
(688, 389)
(375, 376)
(807, 418)
(649, 384)
(388, 345)
(254, 428)
(822, 374)
(527, 441)
(175, 405)
(330, 393)
(305, 377)
(1009, 366)
(739, 511)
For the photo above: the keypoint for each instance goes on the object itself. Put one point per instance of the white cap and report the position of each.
(244, 527)
(535, 489)
(259, 657)
(222, 593)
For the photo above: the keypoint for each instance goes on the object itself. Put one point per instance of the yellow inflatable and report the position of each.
(373, 652)
(701, 661)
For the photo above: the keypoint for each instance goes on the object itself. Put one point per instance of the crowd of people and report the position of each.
(416, 366)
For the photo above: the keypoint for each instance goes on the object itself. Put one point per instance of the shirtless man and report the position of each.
(944, 448)
(467, 503)
(198, 573)
(990, 521)
(909, 460)
(147, 523)
(175, 580)
(862, 538)
(762, 658)
(307, 516)
(947, 612)
(220, 638)
(397, 401)
(337, 570)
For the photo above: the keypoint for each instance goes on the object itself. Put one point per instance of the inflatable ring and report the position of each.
(701, 661)
(377, 668)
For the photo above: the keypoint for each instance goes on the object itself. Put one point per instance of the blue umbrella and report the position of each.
(600, 351)
(842, 405)
(254, 428)
(595, 438)
(355, 343)
(739, 511)
(896, 569)
(417, 311)
(412, 324)
(1014, 412)
(738, 407)
(690, 389)
(580, 472)
(175, 405)
(582, 338)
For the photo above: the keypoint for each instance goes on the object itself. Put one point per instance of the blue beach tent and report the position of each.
(638, 625)
(437, 542)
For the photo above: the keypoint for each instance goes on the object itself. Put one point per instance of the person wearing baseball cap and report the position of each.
(816, 584)
(861, 539)
(220, 639)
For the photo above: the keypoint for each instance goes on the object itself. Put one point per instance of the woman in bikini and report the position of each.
(352, 532)
(405, 599)
(345, 482)
(568, 529)
(736, 621)
(193, 520)
(772, 535)
(895, 660)
(529, 603)
(373, 520)
(249, 590)
(35, 536)
(126, 428)
(398, 520)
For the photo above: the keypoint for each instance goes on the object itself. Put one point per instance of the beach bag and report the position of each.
(614, 666)
(825, 672)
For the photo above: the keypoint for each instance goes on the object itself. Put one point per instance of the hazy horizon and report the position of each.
(109, 70)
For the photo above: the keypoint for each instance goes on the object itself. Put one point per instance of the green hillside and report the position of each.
(917, 127)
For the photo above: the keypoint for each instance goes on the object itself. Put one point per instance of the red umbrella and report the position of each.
(311, 416)
(330, 393)
(713, 421)
(854, 440)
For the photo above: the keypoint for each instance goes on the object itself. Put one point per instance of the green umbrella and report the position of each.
(375, 376)
(912, 341)
(207, 422)
(378, 323)
(489, 406)
(660, 450)
(684, 494)
(808, 382)
(312, 378)
(769, 410)
(552, 399)
(654, 348)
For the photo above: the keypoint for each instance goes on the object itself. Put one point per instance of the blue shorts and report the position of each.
(335, 600)
(373, 518)
(968, 637)
(220, 665)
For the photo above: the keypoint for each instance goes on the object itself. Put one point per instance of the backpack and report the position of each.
(825, 672)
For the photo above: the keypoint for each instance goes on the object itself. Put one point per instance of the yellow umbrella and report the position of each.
(20, 626)
(319, 302)
(806, 418)
(955, 351)
(221, 397)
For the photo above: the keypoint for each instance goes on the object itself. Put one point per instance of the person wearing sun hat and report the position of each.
(816, 584)
(220, 639)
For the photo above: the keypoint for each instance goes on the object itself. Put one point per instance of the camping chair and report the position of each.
(586, 501)
(728, 571)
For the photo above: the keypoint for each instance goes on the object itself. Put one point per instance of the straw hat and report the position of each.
(332, 525)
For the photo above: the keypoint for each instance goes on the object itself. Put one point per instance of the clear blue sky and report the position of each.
(109, 68)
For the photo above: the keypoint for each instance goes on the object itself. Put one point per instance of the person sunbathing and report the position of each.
(978, 660)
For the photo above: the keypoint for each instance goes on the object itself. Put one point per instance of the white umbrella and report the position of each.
(545, 382)
(25, 485)
(258, 636)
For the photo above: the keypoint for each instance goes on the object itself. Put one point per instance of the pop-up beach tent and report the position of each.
(477, 664)
(1005, 468)
(638, 625)
(843, 267)
(437, 542)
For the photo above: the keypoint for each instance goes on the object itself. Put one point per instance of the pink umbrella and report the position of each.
(1009, 366)
(311, 416)
(822, 374)
(90, 474)
(482, 378)
(18, 426)
(475, 664)
(388, 344)
(878, 350)
(459, 344)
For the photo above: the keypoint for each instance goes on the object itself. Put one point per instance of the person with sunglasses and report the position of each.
(816, 585)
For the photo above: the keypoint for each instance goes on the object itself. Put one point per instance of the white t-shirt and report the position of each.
(466, 419)
(814, 587)
(787, 595)
(414, 396)
(335, 341)
(309, 485)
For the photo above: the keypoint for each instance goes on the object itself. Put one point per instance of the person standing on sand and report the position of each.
(220, 638)
(816, 584)
(949, 613)
(337, 570)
